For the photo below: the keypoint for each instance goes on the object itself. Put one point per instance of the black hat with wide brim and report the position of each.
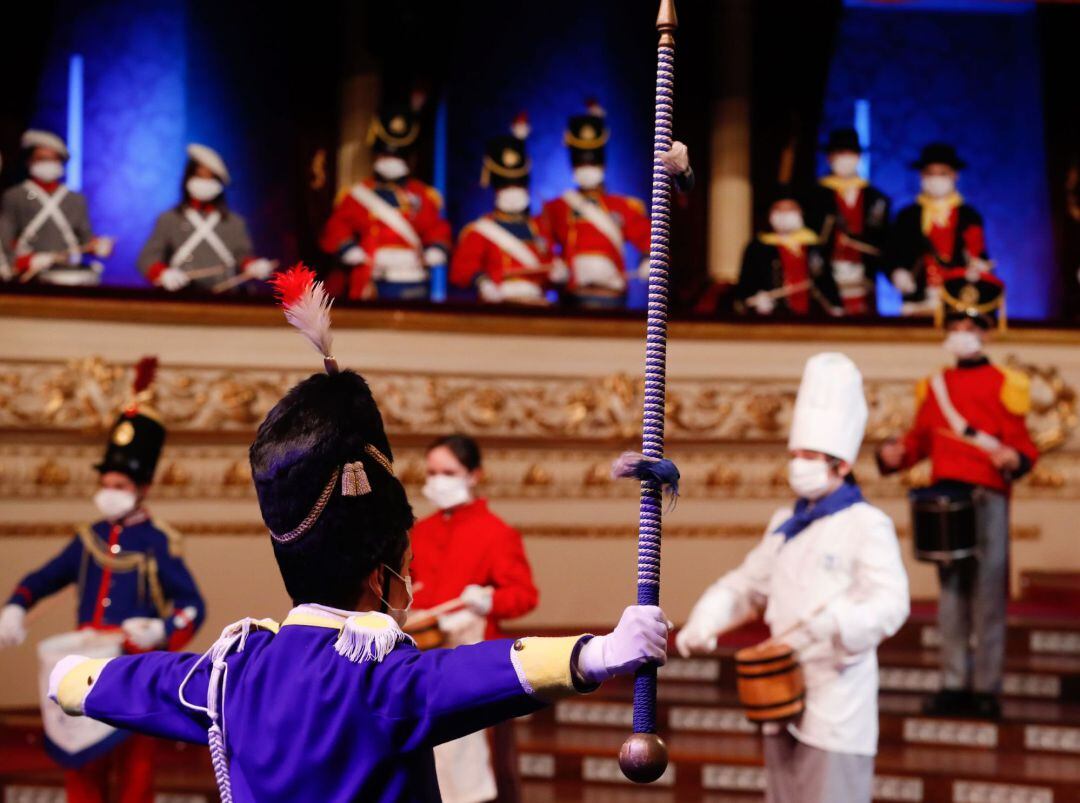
(939, 153)
(843, 139)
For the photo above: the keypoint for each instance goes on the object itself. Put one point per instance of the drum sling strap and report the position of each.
(957, 423)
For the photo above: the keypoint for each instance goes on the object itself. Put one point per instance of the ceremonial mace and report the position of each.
(644, 756)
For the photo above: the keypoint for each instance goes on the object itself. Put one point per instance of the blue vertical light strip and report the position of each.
(440, 273)
(862, 127)
(74, 171)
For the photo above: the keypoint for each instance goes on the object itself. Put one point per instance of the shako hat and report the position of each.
(974, 295)
(137, 436)
(323, 468)
(394, 131)
(506, 162)
(587, 134)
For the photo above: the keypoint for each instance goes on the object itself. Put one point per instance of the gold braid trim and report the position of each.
(99, 551)
(153, 582)
(587, 144)
(380, 458)
(174, 537)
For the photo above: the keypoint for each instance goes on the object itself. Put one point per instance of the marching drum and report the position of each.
(769, 682)
(72, 739)
(943, 523)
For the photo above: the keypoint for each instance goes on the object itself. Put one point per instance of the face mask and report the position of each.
(589, 177)
(963, 344)
(399, 615)
(47, 171)
(809, 479)
(512, 200)
(785, 222)
(203, 189)
(391, 168)
(114, 503)
(446, 492)
(937, 186)
(845, 165)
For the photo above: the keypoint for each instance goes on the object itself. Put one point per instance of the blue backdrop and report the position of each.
(972, 79)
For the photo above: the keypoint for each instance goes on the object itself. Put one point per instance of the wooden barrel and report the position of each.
(769, 681)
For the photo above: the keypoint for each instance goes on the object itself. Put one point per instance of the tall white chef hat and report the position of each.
(830, 410)
(38, 138)
(210, 159)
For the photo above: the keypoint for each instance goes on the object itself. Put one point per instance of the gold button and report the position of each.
(115, 549)
(519, 645)
(105, 603)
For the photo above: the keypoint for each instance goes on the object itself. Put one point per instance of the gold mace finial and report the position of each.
(667, 22)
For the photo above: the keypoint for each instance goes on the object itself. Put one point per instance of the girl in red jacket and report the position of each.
(465, 551)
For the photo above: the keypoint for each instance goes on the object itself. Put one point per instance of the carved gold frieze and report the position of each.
(84, 395)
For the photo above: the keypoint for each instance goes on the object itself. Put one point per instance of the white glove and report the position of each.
(489, 291)
(12, 625)
(639, 638)
(762, 302)
(42, 261)
(144, 632)
(478, 599)
(904, 281)
(354, 255)
(103, 246)
(434, 256)
(696, 638)
(643, 269)
(463, 621)
(173, 279)
(677, 160)
(260, 268)
(559, 274)
(823, 626)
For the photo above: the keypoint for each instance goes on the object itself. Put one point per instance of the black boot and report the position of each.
(948, 703)
(985, 706)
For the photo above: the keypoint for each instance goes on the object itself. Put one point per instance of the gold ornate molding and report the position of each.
(83, 395)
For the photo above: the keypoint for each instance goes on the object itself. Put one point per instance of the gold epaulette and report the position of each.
(1015, 390)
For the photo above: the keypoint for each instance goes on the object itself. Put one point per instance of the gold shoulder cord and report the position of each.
(144, 563)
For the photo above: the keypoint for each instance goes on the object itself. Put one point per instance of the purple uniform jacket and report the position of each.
(303, 722)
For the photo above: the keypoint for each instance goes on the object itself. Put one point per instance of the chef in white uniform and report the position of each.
(828, 576)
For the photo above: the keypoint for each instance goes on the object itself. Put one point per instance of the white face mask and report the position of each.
(845, 165)
(203, 189)
(512, 200)
(48, 170)
(937, 186)
(390, 168)
(963, 344)
(809, 479)
(786, 222)
(445, 491)
(589, 177)
(114, 503)
(399, 615)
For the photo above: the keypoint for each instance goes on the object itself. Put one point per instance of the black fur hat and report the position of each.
(325, 423)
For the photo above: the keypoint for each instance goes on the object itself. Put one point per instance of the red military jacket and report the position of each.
(575, 235)
(352, 224)
(478, 255)
(470, 545)
(993, 400)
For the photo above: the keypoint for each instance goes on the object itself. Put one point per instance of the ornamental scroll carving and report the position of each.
(85, 395)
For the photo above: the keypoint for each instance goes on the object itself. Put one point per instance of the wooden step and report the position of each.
(1047, 677)
(1051, 588)
(703, 763)
(1032, 726)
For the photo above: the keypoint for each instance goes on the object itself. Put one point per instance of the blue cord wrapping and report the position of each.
(652, 435)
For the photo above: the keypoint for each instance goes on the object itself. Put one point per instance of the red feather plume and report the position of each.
(145, 371)
(292, 284)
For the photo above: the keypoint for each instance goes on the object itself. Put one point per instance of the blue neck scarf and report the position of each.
(807, 512)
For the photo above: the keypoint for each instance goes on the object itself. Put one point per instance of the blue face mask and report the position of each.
(399, 615)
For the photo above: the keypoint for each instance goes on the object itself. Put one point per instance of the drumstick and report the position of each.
(426, 617)
(774, 639)
(230, 283)
(860, 246)
(205, 273)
